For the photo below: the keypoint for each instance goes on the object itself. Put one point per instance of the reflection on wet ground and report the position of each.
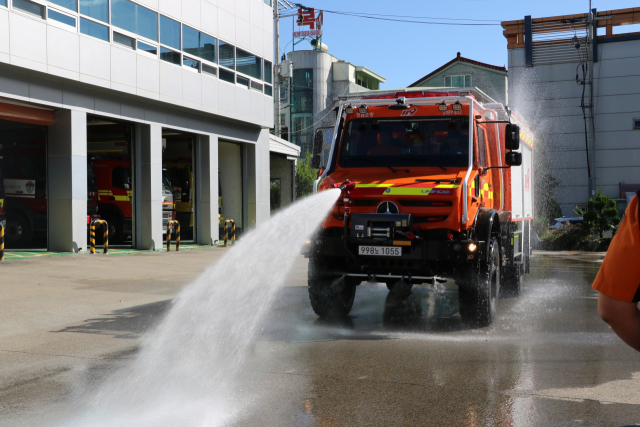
(406, 359)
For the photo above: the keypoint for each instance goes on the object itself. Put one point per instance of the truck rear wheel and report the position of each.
(330, 294)
(478, 297)
(18, 233)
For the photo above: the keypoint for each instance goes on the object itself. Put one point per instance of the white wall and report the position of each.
(549, 97)
(34, 44)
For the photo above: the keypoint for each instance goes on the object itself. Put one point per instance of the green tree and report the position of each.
(305, 177)
(601, 213)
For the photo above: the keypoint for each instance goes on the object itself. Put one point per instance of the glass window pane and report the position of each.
(227, 55)
(147, 48)
(69, 4)
(169, 55)
(249, 64)
(97, 9)
(61, 17)
(267, 2)
(208, 69)
(188, 62)
(242, 81)
(124, 40)
(169, 32)
(256, 86)
(3, 3)
(93, 29)
(227, 76)
(268, 71)
(467, 80)
(447, 81)
(199, 44)
(31, 8)
(135, 18)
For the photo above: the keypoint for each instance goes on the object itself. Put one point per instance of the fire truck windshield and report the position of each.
(405, 142)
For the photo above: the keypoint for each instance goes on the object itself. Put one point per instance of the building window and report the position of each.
(170, 32)
(249, 64)
(636, 124)
(461, 80)
(268, 72)
(3, 3)
(29, 7)
(208, 69)
(242, 82)
(93, 29)
(123, 40)
(267, 2)
(227, 54)
(68, 4)
(302, 109)
(283, 119)
(198, 44)
(227, 76)
(283, 93)
(153, 50)
(257, 86)
(191, 63)
(61, 17)
(268, 90)
(134, 18)
(96, 9)
(169, 55)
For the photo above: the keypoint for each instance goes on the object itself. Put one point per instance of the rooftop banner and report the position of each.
(308, 18)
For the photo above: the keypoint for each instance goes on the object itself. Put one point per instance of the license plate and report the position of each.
(380, 250)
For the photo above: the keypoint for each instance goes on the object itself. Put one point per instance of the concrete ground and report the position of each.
(547, 360)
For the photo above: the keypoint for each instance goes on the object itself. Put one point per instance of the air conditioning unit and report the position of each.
(286, 69)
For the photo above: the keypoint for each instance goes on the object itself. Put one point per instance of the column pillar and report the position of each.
(258, 178)
(148, 187)
(207, 190)
(67, 182)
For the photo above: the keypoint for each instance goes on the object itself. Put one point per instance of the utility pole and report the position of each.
(592, 126)
(277, 4)
(276, 78)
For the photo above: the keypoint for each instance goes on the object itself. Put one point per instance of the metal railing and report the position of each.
(170, 226)
(232, 230)
(105, 235)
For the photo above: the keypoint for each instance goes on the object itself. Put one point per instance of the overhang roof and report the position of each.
(282, 146)
(368, 72)
(461, 59)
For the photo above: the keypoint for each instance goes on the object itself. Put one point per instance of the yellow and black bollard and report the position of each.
(105, 235)
(1, 242)
(228, 228)
(173, 224)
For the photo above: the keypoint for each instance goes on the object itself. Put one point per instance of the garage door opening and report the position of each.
(179, 182)
(110, 156)
(23, 176)
(231, 188)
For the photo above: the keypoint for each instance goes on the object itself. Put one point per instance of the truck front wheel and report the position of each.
(330, 294)
(478, 297)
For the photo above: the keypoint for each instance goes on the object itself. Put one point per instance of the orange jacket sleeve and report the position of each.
(619, 275)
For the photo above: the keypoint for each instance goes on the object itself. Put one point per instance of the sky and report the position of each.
(404, 52)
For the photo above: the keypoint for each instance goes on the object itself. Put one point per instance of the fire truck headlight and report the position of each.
(362, 109)
(350, 110)
(457, 106)
(472, 247)
(443, 106)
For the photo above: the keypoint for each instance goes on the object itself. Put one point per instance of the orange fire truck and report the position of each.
(436, 186)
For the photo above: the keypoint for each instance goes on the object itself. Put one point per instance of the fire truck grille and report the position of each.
(435, 218)
(426, 203)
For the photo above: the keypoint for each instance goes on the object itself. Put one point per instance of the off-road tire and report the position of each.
(18, 232)
(478, 297)
(329, 297)
(511, 281)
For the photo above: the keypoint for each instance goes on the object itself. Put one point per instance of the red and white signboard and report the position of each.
(308, 18)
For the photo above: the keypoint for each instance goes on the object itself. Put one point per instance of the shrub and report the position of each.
(305, 177)
(600, 215)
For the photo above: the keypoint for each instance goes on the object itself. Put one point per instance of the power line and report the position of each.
(423, 17)
(356, 15)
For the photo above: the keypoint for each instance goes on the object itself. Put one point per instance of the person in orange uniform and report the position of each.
(618, 280)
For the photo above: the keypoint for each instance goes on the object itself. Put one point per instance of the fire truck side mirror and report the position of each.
(513, 158)
(512, 137)
(315, 161)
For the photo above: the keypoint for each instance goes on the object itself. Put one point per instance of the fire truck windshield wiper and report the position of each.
(426, 162)
(377, 162)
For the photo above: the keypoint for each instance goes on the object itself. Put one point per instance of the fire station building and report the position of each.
(137, 111)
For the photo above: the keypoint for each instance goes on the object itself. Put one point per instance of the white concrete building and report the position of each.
(118, 80)
(579, 86)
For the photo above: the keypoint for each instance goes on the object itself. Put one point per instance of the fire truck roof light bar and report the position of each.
(413, 101)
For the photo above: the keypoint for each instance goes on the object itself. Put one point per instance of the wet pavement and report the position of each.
(548, 360)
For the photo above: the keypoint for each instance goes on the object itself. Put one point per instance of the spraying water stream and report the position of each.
(186, 370)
